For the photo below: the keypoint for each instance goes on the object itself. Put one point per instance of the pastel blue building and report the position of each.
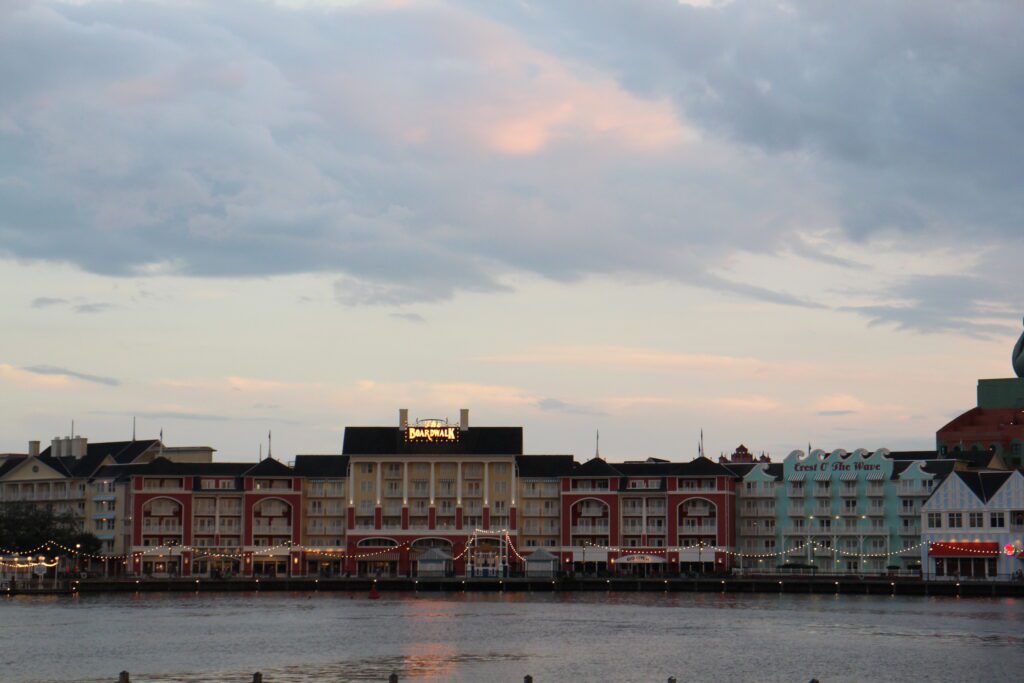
(836, 512)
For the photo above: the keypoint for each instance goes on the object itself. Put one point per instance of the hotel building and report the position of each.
(833, 511)
(65, 477)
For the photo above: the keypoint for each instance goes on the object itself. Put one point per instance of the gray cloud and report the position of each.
(47, 301)
(54, 370)
(556, 405)
(95, 307)
(835, 413)
(309, 141)
(409, 317)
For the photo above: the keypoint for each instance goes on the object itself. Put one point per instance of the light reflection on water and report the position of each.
(298, 638)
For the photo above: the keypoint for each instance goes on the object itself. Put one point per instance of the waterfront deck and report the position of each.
(765, 584)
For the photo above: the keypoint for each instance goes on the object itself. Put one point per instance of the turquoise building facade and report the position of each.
(836, 512)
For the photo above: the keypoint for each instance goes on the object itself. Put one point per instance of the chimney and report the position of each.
(33, 449)
(403, 417)
(79, 446)
(463, 419)
(55, 447)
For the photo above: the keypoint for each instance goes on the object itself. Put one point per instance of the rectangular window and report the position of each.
(955, 520)
(996, 520)
(934, 520)
(976, 520)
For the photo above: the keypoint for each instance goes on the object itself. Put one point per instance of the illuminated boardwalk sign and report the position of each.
(431, 433)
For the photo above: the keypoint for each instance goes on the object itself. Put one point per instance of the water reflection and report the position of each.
(300, 637)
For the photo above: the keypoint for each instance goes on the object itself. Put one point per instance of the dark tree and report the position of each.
(24, 527)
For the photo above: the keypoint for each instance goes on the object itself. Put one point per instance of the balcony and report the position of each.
(795, 492)
(848, 492)
(698, 528)
(586, 529)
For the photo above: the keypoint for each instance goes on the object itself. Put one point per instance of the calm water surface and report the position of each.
(296, 638)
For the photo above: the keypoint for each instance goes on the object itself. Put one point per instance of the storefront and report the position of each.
(964, 560)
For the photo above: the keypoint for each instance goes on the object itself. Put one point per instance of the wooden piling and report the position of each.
(123, 677)
(527, 678)
(257, 677)
(393, 678)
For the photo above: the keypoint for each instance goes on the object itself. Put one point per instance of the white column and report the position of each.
(378, 467)
(351, 484)
(432, 463)
(458, 483)
(513, 483)
(405, 483)
(487, 489)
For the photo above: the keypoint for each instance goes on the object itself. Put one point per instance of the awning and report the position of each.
(964, 549)
(796, 476)
(876, 476)
(822, 476)
(640, 559)
(848, 476)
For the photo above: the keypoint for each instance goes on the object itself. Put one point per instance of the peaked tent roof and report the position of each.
(434, 555)
(540, 555)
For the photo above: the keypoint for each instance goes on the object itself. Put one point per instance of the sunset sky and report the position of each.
(778, 222)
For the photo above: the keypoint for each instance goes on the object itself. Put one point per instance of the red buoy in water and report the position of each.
(374, 595)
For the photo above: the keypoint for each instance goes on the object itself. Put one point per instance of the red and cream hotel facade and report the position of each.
(466, 495)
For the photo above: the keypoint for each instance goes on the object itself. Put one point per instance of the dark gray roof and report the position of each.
(473, 441)
(321, 465)
(9, 464)
(703, 467)
(939, 468)
(595, 467)
(269, 467)
(984, 484)
(544, 465)
(914, 455)
(740, 469)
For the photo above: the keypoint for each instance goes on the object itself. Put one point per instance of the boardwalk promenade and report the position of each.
(748, 584)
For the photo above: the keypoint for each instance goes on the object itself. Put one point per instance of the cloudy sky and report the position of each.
(778, 222)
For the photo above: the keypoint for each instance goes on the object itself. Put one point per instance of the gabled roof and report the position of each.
(740, 469)
(9, 464)
(595, 467)
(321, 466)
(122, 452)
(269, 467)
(647, 469)
(703, 467)
(544, 465)
(165, 467)
(984, 484)
(473, 441)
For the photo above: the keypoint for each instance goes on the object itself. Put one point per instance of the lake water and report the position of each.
(501, 637)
